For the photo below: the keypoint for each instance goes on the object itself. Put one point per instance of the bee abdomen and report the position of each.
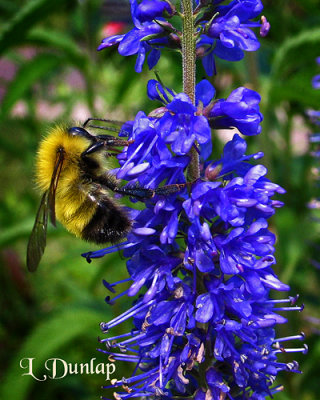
(108, 224)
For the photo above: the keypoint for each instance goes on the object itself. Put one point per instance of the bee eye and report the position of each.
(78, 131)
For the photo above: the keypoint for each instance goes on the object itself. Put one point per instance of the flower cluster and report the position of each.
(314, 116)
(316, 78)
(314, 203)
(223, 31)
(200, 253)
(205, 322)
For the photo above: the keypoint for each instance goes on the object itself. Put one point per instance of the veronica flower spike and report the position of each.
(200, 254)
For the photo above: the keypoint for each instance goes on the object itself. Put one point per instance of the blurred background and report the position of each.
(50, 72)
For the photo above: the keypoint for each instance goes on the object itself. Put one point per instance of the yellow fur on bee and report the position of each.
(74, 207)
(47, 153)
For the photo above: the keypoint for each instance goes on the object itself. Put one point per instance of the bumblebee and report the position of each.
(71, 173)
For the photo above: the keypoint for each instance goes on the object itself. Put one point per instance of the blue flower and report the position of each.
(200, 258)
(200, 254)
(230, 33)
(205, 93)
(314, 116)
(221, 299)
(147, 35)
(316, 82)
(233, 159)
(240, 110)
(148, 10)
(208, 48)
(132, 43)
(148, 159)
(244, 249)
(182, 127)
(265, 26)
(316, 79)
(156, 91)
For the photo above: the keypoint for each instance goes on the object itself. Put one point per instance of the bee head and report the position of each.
(72, 141)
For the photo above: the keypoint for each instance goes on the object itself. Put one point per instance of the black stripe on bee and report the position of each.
(110, 223)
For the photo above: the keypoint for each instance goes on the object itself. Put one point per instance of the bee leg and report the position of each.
(106, 128)
(146, 193)
(110, 121)
(109, 141)
(173, 188)
(109, 182)
(93, 148)
(137, 192)
(141, 192)
(105, 141)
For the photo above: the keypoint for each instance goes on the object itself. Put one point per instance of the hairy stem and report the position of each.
(188, 51)
(189, 72)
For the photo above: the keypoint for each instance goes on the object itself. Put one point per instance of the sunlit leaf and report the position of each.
(26, 76)
(60, 42)
(293, 68)
(34, 11)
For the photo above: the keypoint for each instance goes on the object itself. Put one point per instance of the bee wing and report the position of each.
(37, 240)
(53, 186)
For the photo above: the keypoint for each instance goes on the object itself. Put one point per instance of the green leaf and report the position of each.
(7, 8)
(292, 244)
(12, 233)
(34, 11)
(44, 343)
(288, 56)
(27, 75)
(293, 68)
(61, 42)
(72, 53)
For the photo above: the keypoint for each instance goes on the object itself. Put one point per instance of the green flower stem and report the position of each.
(189, 72)
(188, 50)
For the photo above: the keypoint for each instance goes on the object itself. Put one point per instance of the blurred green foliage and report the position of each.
(50, 72)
